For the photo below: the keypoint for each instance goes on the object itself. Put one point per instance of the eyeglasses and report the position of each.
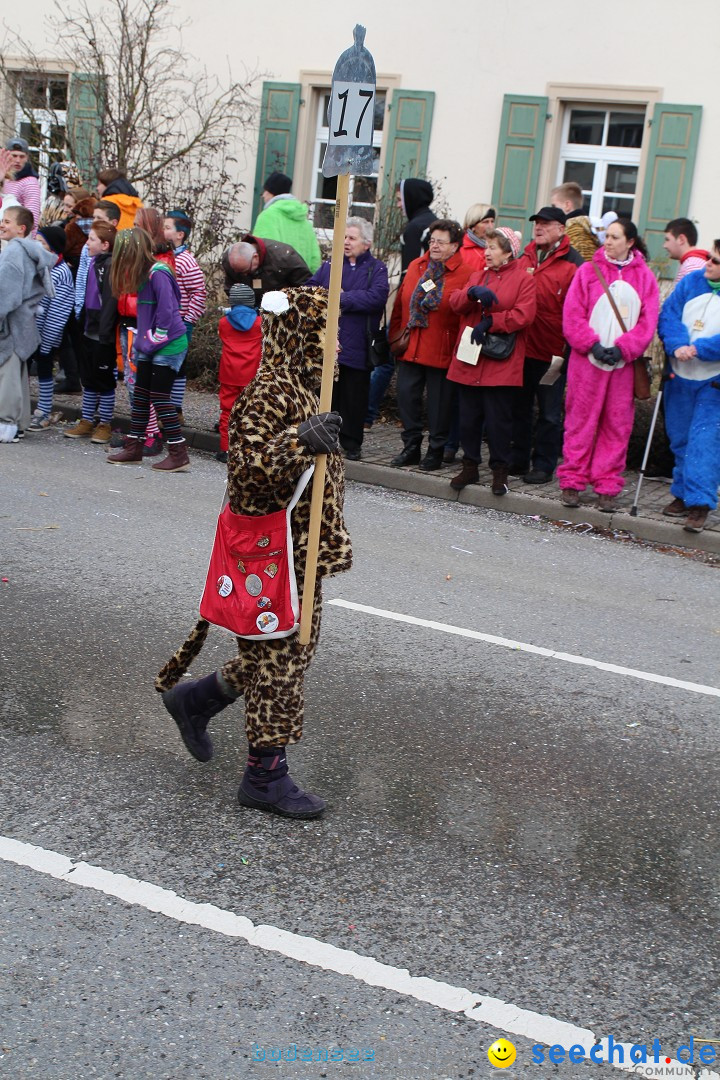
(439, 243)
(713, 259)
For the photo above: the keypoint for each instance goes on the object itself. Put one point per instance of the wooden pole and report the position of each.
(328, 372)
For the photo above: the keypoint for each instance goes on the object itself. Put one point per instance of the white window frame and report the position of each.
(601, 155)
(322, 135)
(45, 119)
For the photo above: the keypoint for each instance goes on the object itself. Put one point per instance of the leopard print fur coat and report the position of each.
(265, 461)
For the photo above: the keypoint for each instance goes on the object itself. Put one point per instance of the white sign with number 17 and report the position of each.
(351, 114)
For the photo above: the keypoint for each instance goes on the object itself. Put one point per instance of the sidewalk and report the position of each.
(383, 442)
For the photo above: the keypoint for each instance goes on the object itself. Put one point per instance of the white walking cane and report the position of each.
(641, 477)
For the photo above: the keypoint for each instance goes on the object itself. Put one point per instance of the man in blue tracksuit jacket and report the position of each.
(690, 330)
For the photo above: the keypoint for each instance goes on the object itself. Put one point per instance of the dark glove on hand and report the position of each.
(613, 355)
(320, 432)
(483, 295)
(598, 351)
(480, 330)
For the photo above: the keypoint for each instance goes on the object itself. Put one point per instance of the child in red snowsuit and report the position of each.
(241, 339)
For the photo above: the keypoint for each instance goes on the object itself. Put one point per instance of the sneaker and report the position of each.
(152, 446)
(39, 422)
(8, 432)
(117, 439)
(697, 516)
(102, 433)
(570, 497)
(676, 508)
(82, 430)
(222, 455)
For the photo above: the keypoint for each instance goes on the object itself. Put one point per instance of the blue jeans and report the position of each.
(379, 382)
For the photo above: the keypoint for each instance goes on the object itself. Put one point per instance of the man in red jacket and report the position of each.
(553, 262)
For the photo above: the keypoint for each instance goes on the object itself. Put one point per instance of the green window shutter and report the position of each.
(278, 132)
(668, 177)
(522, 133)
(84, 122)
(408, 136)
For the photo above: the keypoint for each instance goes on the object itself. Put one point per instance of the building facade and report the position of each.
(498, 103)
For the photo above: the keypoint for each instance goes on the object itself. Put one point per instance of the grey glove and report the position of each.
(613, 355)
(320, 432)
(598, 351)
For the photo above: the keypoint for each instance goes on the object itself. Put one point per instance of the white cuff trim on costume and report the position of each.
(275, 302)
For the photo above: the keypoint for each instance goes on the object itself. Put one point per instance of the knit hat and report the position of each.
(513, 239)
(54, 237)
(278, 183)
(241, 295)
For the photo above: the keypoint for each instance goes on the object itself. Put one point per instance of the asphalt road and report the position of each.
(533, 830)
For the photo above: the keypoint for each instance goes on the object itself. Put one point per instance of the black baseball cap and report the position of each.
(550, 213)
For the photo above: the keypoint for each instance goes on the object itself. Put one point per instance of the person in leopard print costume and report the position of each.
(274, 433)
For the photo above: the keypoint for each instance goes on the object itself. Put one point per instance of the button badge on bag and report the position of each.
(263, 541)
(267, 622)
(264, 601)
(271, 569)
(253, 584)
(224, 585)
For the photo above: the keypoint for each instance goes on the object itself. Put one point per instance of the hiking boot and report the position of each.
(82, 430)
(153, 446)
(409, 456)
(697, 516)
(177, 459)
(192, 705)
(607, 504)
(267, 785)
(676, 508)
(570, 497)
(468, 475)
(131, 452)
(499, 480)
(39, 422)
(102, 433)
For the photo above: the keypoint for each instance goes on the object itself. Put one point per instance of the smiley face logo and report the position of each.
(501, 1054)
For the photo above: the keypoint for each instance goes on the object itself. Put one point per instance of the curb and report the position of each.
(437, 487)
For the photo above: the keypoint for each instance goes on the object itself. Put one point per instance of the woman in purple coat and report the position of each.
(161, 346)
(362, 301)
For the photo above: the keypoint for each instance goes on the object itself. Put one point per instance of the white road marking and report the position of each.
(498, 1014)
(522, 646)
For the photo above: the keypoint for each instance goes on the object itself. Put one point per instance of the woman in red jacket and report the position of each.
(499, 300)
(422, 306)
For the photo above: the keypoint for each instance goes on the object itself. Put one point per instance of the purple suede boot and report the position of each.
(192, 706)
(267, 785)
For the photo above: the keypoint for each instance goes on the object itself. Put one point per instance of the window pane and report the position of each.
(582, 172)
(367, 212)
(326, 106)
(58, 93)
(626, 129)
(622, 207)
(622, 178)
(323, 216)
(586, 127)
(33, 93)
(379, 118)
(365, 189)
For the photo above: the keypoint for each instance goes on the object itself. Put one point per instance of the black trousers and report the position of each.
(97, 362)
(350, 399)
(412, 381)
(489, 408)
(70, 348)
(540, 447)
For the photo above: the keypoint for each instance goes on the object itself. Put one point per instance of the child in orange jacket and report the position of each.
(241, 339)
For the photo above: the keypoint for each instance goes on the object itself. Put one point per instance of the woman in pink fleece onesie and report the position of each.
(600, 409)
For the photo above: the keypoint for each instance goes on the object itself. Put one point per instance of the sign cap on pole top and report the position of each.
(351, 113)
